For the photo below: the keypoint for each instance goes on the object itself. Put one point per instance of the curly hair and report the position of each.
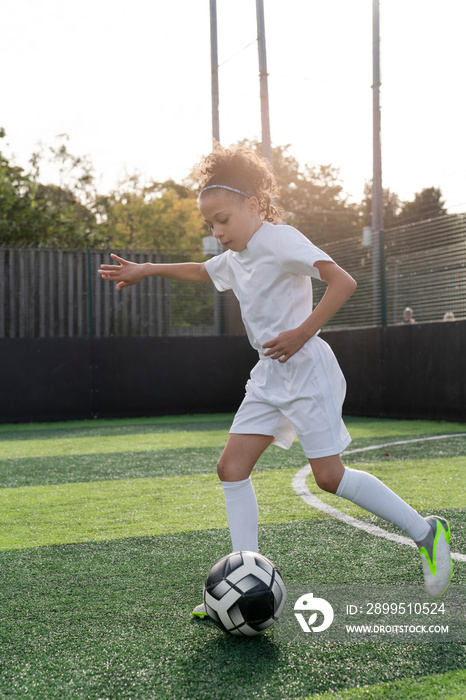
(244, 170)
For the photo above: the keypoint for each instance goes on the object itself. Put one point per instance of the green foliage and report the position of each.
(199, 311)
(163, 216)
(20, 221)
(40, 215)
(314, 199)
(391, 206)
(159, 216)
(427, 204)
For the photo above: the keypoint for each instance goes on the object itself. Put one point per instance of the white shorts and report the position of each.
(301, 397)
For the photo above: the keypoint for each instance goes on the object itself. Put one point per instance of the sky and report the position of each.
(130, 82)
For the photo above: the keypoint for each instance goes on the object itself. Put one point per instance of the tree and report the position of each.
(20, 224)
(314, 200)
(164, 216)
(33, 214)
(70, 224)
(160, 216)
(391, 206)
(75, 173)
(427, 204)
(312, 196)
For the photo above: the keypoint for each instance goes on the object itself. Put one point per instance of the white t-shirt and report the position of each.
(271, 279)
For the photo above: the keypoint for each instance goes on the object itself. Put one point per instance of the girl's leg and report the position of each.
(369, 493)
(432, 534)
(234, 468)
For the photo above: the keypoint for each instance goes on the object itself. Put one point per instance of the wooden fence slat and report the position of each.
(116, 310)
(42, 298)
(107, 311)
(12, 276)
(80, 300)
(151, 307)
(2, 295)
(61, 295)
(44, 293)
(71, 297)
(97, 290)
(140, 297)
(159, 288)
(22, 293)
(51, 299)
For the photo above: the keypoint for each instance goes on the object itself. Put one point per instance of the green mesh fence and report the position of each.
(58, 293)
(425, 270)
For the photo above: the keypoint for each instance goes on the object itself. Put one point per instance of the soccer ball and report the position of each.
(244, 593)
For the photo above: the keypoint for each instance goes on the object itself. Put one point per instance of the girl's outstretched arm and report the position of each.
(340, 287)
(127, 273)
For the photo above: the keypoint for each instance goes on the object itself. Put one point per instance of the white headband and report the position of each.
(226, 187)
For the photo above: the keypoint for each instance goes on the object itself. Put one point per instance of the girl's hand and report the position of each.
(285, 345)
(125, 273)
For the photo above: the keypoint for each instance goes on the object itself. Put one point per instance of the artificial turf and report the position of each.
(104, 555)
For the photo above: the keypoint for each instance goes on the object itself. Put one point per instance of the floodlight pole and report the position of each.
(378, 245)
(263, 76)
(214, 70)
(209, 240)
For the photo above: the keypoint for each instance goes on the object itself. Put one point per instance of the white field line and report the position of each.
(301, 489)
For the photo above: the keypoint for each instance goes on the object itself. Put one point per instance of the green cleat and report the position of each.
(435, 555)
(200, 611)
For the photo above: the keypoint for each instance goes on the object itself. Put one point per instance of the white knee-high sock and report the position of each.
(242, 514)
(370, 493)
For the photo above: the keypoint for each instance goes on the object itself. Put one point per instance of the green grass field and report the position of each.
(108, 528)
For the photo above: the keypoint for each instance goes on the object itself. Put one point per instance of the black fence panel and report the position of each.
(409, 371)
(53, 379)
(425, 371)
(416, 371)
(156, 376)
(45, 379)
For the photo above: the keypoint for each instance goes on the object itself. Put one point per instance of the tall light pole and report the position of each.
(377, 194)
(211, 245)
(214, 70)
(264, 89)
(378, 252)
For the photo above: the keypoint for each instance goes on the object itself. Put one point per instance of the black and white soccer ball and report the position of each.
(244, 593)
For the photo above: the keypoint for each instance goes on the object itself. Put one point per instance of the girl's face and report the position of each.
(233, 221)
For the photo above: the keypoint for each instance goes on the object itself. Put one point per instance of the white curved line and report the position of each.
(301, 489)
(403, 442)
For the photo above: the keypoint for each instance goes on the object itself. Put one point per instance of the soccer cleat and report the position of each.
(200, 611)
(435, 555)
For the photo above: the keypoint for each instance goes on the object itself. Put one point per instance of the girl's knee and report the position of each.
(327, 482)
(222, 470)
(240, 455)
(230, 470)
(227, 470)
(328, 472)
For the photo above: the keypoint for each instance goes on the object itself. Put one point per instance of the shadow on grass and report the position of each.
(238, 666)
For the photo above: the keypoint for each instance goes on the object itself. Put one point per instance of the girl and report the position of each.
(297, 387)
